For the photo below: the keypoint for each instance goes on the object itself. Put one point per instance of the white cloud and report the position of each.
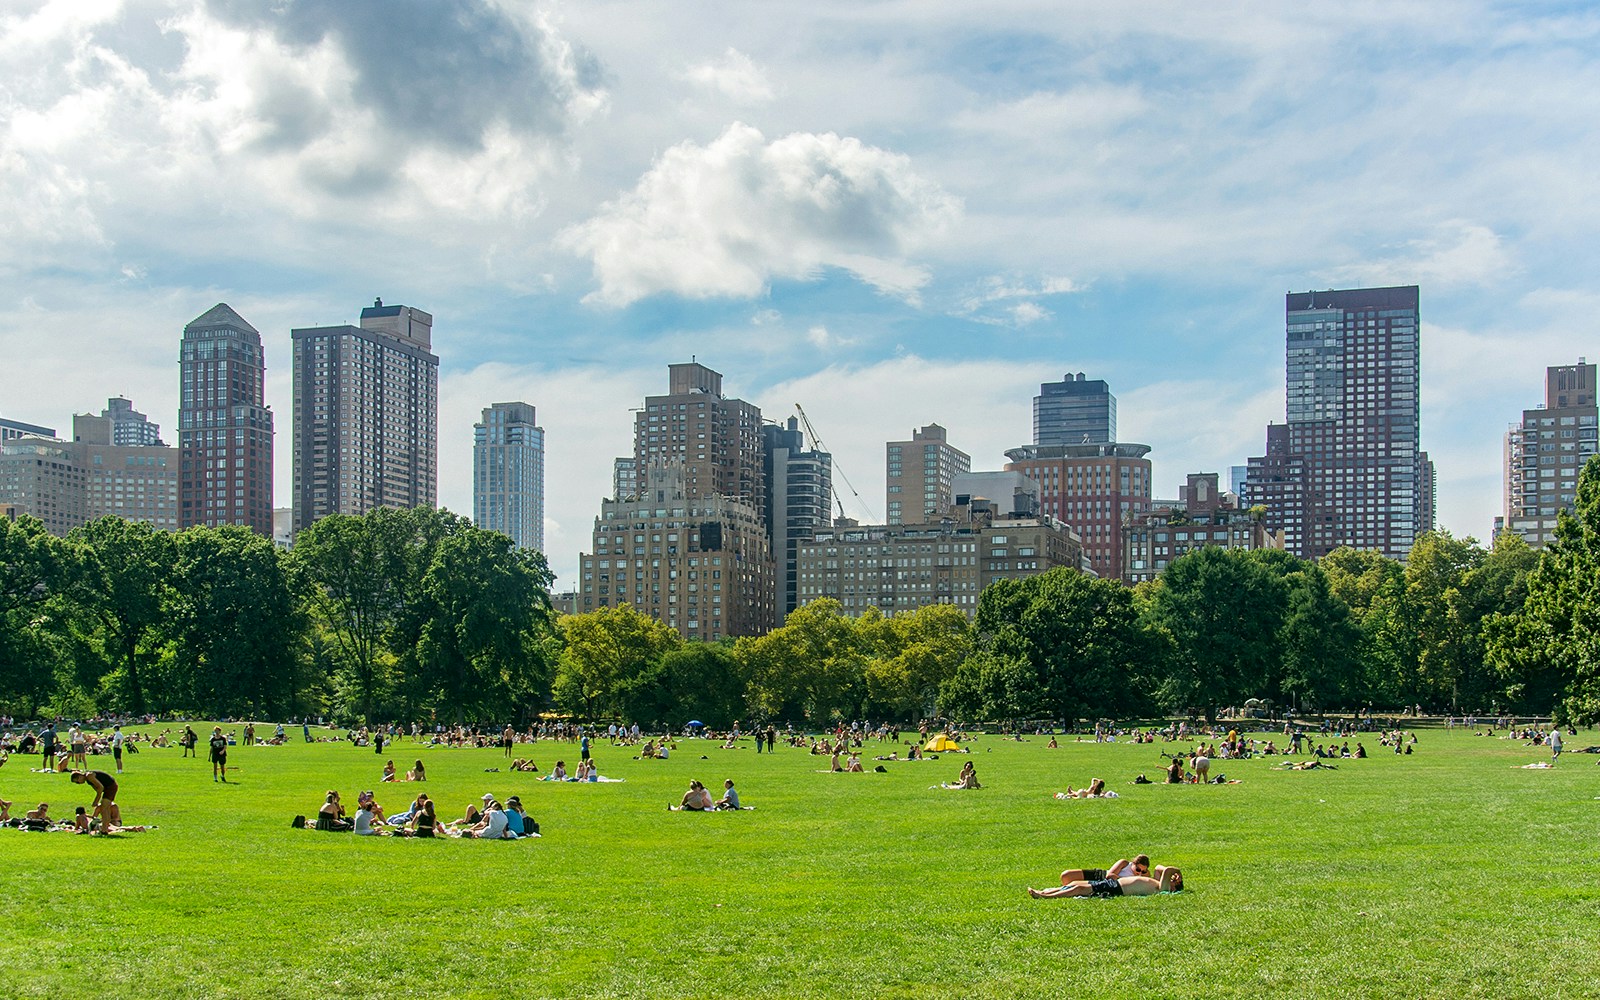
(727, 218)
(1460, 253)
(735, 77)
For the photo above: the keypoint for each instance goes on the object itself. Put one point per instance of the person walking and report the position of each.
(1554, 740)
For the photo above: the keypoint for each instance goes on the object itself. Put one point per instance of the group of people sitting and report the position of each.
(1125, 878)
(587, 770)
(698, 799)
(417, 772)
(492, 821)
(101, 817)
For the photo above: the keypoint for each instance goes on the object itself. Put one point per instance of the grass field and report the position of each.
(1448, 873)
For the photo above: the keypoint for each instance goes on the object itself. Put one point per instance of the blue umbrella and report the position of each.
(697, 722)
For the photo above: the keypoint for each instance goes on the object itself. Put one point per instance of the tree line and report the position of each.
(419, 616)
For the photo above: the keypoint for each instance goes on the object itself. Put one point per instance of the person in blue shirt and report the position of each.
(583, 747)
(730, 798)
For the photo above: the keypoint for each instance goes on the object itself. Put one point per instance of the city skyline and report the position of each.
(1030, 190)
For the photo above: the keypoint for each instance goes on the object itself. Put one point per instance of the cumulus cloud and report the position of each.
(734, 76)
(125, 122)
(727, 218)
(1459, 253)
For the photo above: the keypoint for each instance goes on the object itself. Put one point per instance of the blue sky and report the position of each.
(891, 213)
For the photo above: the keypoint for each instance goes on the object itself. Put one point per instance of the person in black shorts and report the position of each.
(189, 741)
(219, 755)
(1164, 878)
(105, 797)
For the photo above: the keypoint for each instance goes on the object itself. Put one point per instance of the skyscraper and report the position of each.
(800, 489)
(920, 476)
(225, 432)
(690, 527)
(1546, 450)
(366, 414)
(716, 439)
(1347, 467)
(1074, 411)
(508, 474)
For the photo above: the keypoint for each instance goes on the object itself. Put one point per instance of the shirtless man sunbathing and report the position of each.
(1164, 878)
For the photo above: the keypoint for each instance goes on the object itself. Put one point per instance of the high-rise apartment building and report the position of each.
(690, 522)
(1075, 410)
(129, 427)
(1347, 469)
(366, 415)
(800, 492)
(1092, 487)
(920, 476)
(702, 564)
(10, 429)
(508, 474)
(717, 440)
(225, 429)
(1546, 450)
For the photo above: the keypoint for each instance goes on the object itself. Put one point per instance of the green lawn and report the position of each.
(1449, 873)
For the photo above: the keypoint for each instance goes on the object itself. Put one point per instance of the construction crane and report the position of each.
(816, 440)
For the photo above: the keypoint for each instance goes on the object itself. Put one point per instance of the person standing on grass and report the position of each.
(116, 746)
(508, 739)
(583, 747)
(190, 740)
(47, 746)
(219, 755)
(1554, 739)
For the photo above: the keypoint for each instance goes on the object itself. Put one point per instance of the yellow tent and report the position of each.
(941, 744)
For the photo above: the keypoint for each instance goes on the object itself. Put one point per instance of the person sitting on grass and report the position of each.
(388, 771)
(493, 825)
(854, 767)
(560, 772)
(1175, 771)
(425, 823)
(331, 815)
(5, 811)
(80, 821)
(730, 798)
(417, 773)
(696, 799)
(410, 813)
(364, 818)
(518, 820)
(968, 778)
(1163, 879)
(370, 802)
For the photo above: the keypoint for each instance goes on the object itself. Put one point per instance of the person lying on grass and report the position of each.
(1096, 789)
(521, 764)
(1164, 878)
(38, 819)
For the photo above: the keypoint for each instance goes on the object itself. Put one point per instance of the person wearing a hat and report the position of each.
(517, 818)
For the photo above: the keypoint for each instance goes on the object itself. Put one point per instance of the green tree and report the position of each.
(603, 652)
(814, 665)
(696, 681)
(487, 610)
(1551, 647)
(1222, 612)
(1080, 637)
(235, 623)
(1320, 644)
(913, 654)
(119, 589)
(33, 564)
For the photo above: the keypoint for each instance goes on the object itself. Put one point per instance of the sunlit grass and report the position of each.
(1452, 872)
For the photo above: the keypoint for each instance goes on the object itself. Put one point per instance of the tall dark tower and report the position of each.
(224, 426)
